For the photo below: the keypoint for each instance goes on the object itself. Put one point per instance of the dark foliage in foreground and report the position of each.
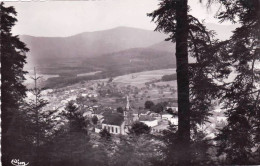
(139, 128)
(12, 89)
(196, 88)
(239, 139)
(70, 143)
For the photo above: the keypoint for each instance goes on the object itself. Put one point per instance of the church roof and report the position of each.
(107, 112)
(113, 119)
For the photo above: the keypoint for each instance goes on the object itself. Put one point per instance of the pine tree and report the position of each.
(76, 121)
(70, 146)
(172, 17)
(240, 137)
(137, 150)
(170, 140)
(42, 122)
(13, 91)
(196, 81)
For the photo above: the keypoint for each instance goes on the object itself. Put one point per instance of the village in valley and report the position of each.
(115, 104)
(130, 83)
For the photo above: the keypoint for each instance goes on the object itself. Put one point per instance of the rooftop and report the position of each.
(146, 118)
(113, 119)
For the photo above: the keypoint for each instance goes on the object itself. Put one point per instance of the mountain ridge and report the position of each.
(89, 44)
(65, 53)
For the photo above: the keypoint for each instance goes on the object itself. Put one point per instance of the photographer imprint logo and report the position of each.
(16, 162)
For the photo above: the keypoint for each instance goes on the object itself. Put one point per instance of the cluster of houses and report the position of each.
(118, 123)
(59, 98)
(113, 121)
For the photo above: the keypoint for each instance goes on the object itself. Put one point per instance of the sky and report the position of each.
(66, 18)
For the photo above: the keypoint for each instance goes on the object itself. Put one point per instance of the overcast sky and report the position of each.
(65, 18)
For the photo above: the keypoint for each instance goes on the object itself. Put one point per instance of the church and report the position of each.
(116, 123)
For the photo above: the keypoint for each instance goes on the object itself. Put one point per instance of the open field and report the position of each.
(139, 79)
(88, 74)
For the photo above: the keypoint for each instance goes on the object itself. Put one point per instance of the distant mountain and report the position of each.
(165, 46)
(112, 65)
(89, 44)
(122, 50)
(145, 58)
(132, 60)
(113, 52)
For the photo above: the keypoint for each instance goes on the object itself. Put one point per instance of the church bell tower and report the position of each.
(127, 103)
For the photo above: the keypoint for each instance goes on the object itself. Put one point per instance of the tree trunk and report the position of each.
(183, 83)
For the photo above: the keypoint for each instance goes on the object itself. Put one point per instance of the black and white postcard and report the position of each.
(130, 82)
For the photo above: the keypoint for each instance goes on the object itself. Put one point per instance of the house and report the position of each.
(97, 128)
(153, 114)
(174, 108)
(95, 106)
(160, 127)
(97, 112)
(143, 112)
(174, 120)
(167, 116)
(149, 121)
(114, 123)
(84, 95)
(172, 105)
(135, 115)
(171, 118)
(94, 95)
(87, 113)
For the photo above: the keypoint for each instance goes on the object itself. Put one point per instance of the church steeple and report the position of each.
(127, 104)
(127, 113)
